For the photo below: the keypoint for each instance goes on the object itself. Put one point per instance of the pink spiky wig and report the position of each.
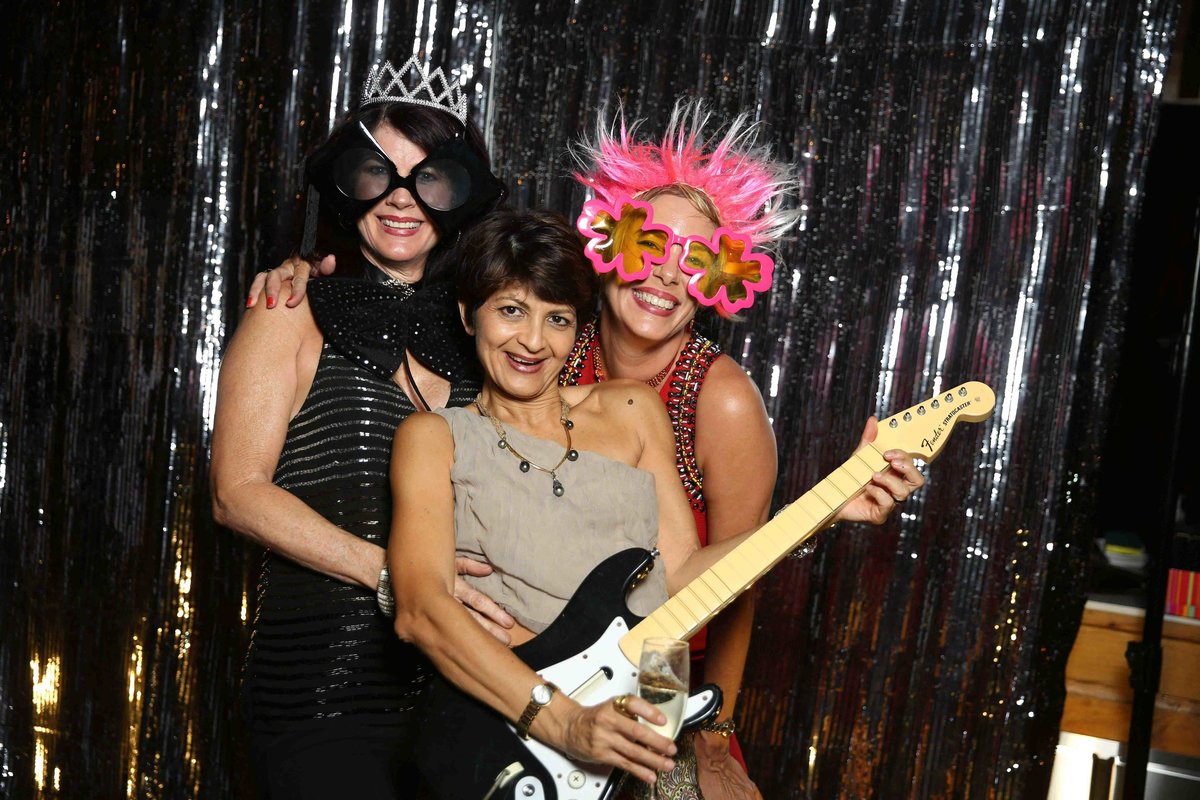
(745, 183)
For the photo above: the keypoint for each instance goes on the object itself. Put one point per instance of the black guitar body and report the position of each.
(464, 746)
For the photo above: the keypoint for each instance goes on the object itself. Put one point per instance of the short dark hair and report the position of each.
(535, 249)
(427, 128)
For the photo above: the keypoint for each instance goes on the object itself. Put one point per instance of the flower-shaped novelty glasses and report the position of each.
(722, 269)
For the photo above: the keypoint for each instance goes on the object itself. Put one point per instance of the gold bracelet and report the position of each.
(723, 729)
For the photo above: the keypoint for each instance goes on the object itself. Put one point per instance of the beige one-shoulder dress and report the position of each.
(540, 546)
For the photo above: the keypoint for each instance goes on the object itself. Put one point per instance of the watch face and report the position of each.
(541, 694)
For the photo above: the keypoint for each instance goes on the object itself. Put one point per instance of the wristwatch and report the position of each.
(539, 697)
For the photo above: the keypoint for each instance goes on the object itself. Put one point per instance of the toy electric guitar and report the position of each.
(469, 752)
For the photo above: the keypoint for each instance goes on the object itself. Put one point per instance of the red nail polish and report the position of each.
(249, 302)
(270, 302)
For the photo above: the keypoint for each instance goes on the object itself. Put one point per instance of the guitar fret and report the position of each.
(777, 539)
(871, 457)
(829, 494)
(757, 548)
(819, 506)
(791, 514)
(725, 585)
(874, 454)
(670, 627)
(844, 482)
(754, 554)
(710, 606)
(725, 572)
(859, 469)
(680, 614)
(701, 583)
(812, 508)
(748, 563)
(689, 600)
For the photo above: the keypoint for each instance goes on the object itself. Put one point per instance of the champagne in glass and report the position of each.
(663, 681)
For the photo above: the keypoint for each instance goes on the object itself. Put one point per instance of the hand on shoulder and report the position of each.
(267, 342)
(292, 275)
(281, 317)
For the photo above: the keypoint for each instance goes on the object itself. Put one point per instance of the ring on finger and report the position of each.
(621, 704)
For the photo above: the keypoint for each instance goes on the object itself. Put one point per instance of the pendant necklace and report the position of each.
(525, 464)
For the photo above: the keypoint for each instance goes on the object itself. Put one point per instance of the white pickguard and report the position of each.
(585, 678)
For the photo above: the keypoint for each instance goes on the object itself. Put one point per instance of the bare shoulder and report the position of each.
(735, 448)
(425, 428)
(578, 395)
(273, 347)
(626, 399)
(423, 439)
(728, 394)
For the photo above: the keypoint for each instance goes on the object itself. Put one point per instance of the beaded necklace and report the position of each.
(571, 454)
(654, 382)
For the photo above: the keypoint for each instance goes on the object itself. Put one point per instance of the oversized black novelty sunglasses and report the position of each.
(450, 184)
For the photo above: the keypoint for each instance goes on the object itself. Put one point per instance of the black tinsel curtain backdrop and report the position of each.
(972, 175)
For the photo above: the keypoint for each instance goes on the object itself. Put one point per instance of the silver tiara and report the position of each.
(387, 85)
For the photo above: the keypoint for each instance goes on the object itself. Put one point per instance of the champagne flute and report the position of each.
(663, 681)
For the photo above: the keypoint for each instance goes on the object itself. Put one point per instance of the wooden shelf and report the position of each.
(1099, 697)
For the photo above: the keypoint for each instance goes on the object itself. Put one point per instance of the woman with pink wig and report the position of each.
(678, 225)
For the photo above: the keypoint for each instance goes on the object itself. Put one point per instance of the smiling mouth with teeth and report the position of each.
(655, 301)
(387, 223)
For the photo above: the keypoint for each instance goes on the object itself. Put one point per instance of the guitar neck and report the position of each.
(690, 609)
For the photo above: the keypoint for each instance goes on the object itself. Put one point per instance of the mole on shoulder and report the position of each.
(631, 401)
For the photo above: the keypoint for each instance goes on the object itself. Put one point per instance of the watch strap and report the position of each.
(531, 711)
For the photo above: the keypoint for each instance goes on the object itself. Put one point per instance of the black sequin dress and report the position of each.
(321, 649)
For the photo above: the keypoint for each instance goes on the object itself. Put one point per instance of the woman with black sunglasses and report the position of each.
(308, 401)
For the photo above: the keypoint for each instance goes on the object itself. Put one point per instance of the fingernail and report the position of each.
(270, 302)
(249, 302)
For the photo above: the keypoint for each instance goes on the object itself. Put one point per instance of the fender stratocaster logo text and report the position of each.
(940, 429)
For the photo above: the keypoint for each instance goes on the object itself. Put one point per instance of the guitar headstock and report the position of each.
(922, 430)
